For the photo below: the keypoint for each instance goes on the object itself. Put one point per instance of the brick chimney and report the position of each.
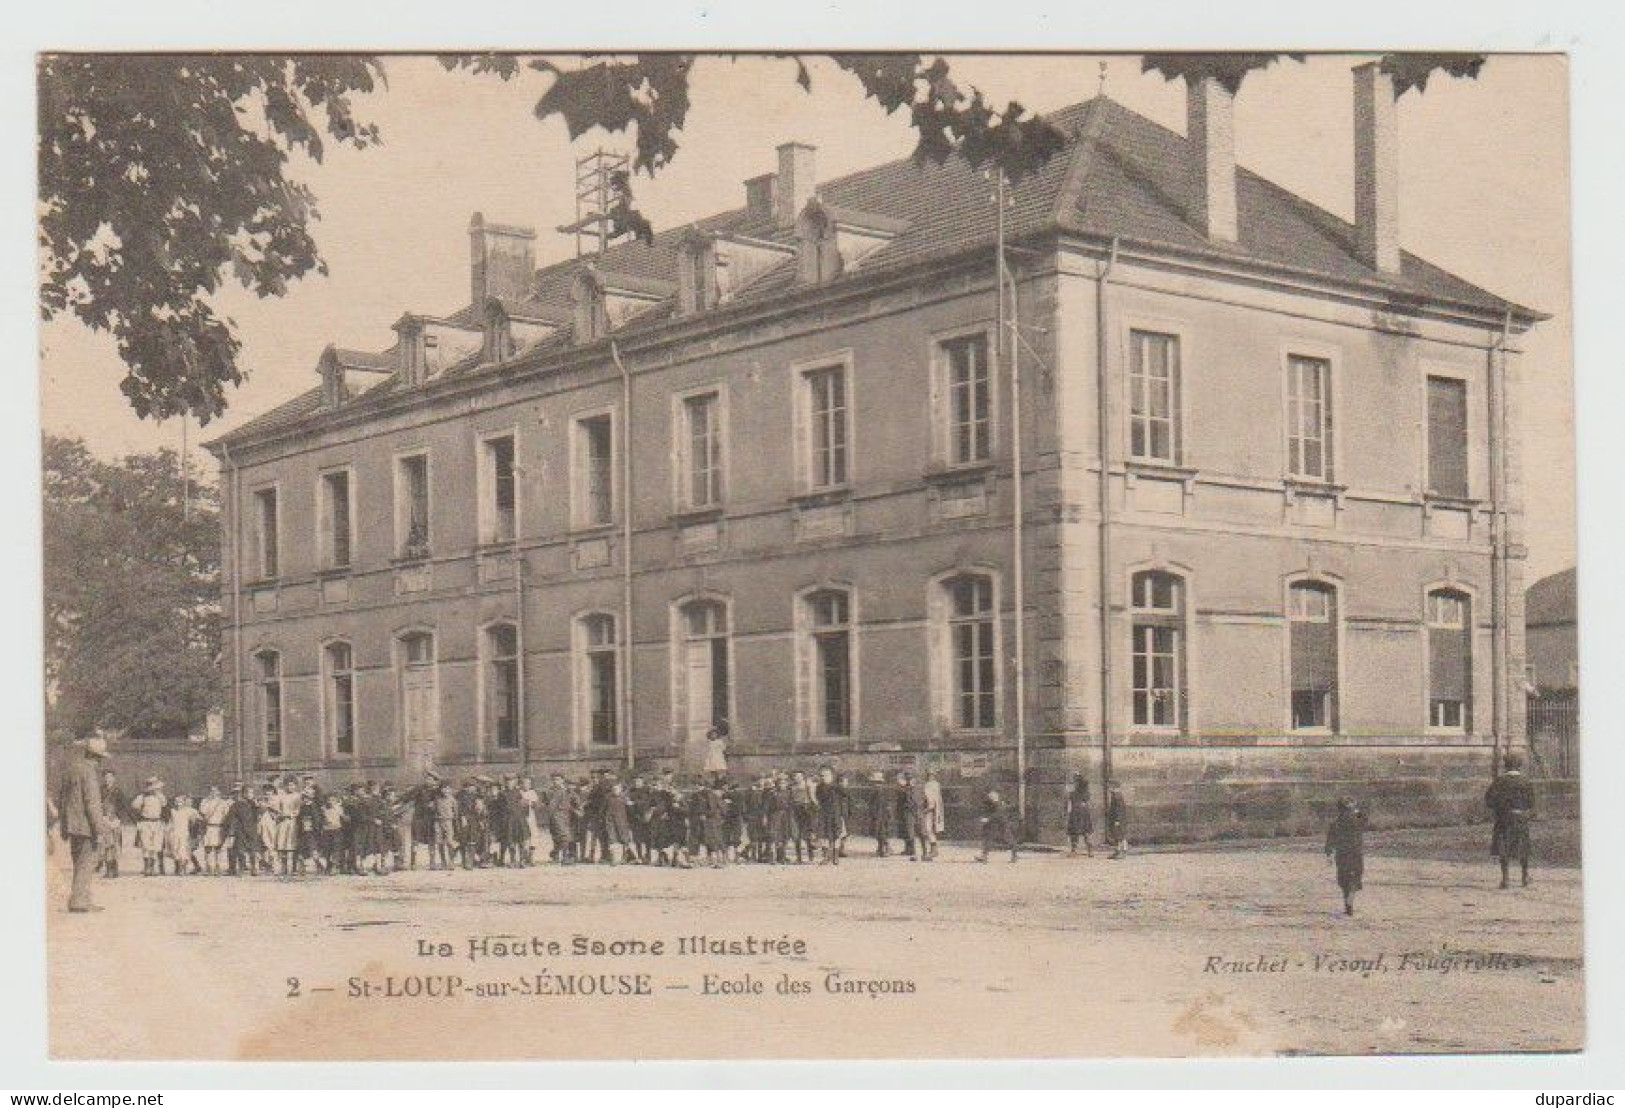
(1376, 169)
(502, 260)
(797, 179)
(759, 196)
(1210, 126)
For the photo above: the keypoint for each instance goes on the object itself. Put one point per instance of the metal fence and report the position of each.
(1554, 735)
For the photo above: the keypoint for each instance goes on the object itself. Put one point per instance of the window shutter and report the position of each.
(1447, 436)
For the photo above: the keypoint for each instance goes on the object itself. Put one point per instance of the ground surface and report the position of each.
(1055, 956)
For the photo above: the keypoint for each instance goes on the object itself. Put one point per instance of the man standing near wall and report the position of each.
(83, 821)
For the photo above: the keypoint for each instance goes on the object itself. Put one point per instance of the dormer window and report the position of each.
(335, 390)
(591, 316)
(603, 301)
(831, 240)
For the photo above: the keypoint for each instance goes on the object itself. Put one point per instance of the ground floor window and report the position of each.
(270, 667)
(704, 664)
(1158, 644)
(1450, 654)
(600, 695)
(828, 619)
(502, 686)
(1312, 615)
(339, 662)
(971, 635)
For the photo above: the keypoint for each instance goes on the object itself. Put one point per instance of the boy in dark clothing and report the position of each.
(1116, 819)
(1345, 845)
(998, 829)
(1511, 801)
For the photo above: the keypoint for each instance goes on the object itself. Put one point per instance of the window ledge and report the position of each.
(495, 546)
(817, 497)
(944, 472)
(1149, 467)
(262, 583)
(414, 558)
(594, 530)
(1313, 485)
(683, 517)
(1312, 732)
(1440, 500)
(329, 572)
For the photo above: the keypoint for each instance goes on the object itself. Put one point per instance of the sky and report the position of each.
(1484, 192)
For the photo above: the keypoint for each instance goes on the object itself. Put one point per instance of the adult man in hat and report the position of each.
(83, 820)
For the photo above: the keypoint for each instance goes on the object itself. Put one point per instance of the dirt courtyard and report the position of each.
(1241, 950)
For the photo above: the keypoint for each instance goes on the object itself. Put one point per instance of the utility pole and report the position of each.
(1007, 343)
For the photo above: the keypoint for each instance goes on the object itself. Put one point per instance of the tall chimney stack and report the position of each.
(1376, 169)
(797, 180)
(501, 261)
(1210, 125)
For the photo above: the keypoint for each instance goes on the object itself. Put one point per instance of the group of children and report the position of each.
(293, 825)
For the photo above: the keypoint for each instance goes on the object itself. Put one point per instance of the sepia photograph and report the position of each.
(727, 556)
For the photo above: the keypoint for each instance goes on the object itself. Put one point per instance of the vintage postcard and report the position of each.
(835, 556)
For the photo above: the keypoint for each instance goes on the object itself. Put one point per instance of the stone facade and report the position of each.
(900, 530)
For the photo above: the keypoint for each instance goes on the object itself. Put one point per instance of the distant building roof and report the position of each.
(1122, 176)
(1552, 601)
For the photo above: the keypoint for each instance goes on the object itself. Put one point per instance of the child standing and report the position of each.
(1345, 845)
(214, 809)
(1116, 819)
(150, 808)
(1080, 821)
(183, 818)
(998, 830)
(445, 828)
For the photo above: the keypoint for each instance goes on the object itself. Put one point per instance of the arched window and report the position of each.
(1312, 614)
(270, 677)
(1157, 633)
(972, 651)
(501, 685)
(338, 690)
(827, 640)
(598, 698)
(1450, 660)
(419, 696)
(704, 688)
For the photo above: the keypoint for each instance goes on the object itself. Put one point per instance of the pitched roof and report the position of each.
(1553, 600)
(1122, 176)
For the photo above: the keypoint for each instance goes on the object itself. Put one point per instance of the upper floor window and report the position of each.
(1450, 656)
(501, 682)
(699, 451)
(499, 497)
(1447, 437)
(969, 410)
(827, 421)
(1309, 417)
(1312, 615)
(412, 506)
(338, 707)
(593, 498)
(1154, 397)
(267, 533)
(337, 530)
(972, 654)
(269, 663)
(1157, 627)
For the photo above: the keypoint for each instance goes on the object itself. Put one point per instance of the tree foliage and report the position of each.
(132, 593)
(160, 177)
(1409, 70)
(649, 95)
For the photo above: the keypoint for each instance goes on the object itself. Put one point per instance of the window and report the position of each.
(338, 709)
(595, 471)
(1313, 618)
(1309, 417)
(412, 506)
(337, 533)
(700, 451)
(419, 695)
(971, 631)
(829, 621)
(1154, 397)
(599, 686)
(499, 495)
(502, 686)
(267, 531)
(970, 400)
(826, 427)
(1158, 644)
(1450, 655)
(704, 690)
(270, 667)
(1447, 437)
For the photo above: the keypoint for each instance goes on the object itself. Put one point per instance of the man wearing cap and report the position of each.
(83, 820)
(1511, 801)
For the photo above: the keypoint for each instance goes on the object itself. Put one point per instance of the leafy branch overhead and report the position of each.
(161, 176)
(1409, 70)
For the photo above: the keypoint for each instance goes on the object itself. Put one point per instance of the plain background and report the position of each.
(1593, 35)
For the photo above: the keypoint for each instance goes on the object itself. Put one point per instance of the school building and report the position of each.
(1221, 498)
